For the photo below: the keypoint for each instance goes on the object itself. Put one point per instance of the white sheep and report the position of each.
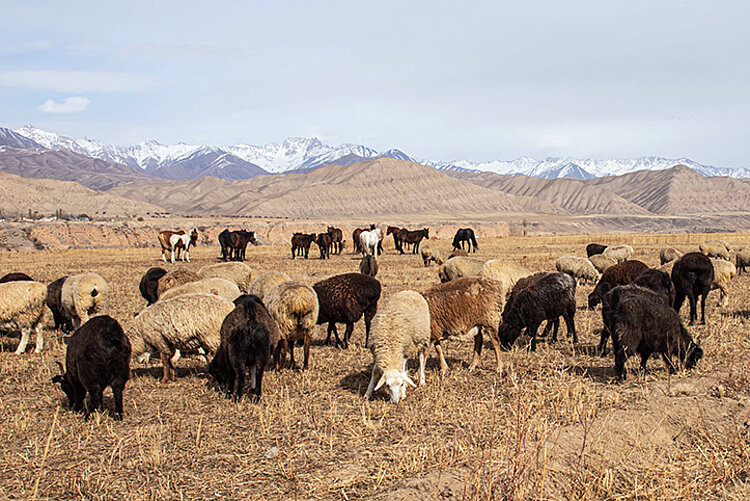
(295, 307)
(669, 254)
(186, 323)
(619, 253)
(581, 268)
(724, 272)
(400, 330)
(236, 272)
(83, 296)
(22, 307)
(602, 262)
(714, 249)
(430, 254)
(507, 273)
(457, 267)
(263, 283)
(217, 286)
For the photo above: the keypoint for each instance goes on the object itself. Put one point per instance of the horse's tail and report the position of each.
(474, 240)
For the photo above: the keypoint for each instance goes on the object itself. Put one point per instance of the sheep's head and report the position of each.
(66, 385)
(508, 333)
(396, 381)
(693, 354)
(596, 296)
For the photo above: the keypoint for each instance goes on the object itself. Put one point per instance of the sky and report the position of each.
(440, 80)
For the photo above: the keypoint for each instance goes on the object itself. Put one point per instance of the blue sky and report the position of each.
(443, 80)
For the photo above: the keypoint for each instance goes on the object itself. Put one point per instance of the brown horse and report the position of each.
(396, 240)
(238, 241)
(324, 243)
(337, 237)
(301, 244)
(414, 237)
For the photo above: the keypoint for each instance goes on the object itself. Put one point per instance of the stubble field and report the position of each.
(551, 425)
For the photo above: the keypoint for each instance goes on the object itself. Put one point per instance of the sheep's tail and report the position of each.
(95, 291)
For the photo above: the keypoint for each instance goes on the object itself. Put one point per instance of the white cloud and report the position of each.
(75, 104)
(75, 81)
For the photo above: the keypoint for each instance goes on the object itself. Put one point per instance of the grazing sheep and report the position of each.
(594, 249)
(82, 296)
(602, 262)
(505, 272)
(579, 267)
(218, 286)
(525, 283)
(401, 330)
(644, 325)
(669, 254)
(54, 303)
(458, 267)
(430, 255)
(715, 249)
(22, 306)
(724, 272)
(294, 306)
(16, 277)
(551, 297)
(97, 356)
(658, 281)
(693, 275)
(238, 273)
(619, 253)
(458, 306)
(458, 253)
(263, 283)
(174, 278)
(248, 337)
(369, 266)
(344, 299)
(619, 274)
(149, 284)
(185, 323)
(742, 259)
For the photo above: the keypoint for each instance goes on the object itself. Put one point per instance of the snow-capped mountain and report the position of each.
(240, 161)
(14, 140)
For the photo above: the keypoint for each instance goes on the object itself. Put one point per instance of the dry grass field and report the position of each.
(551, 425)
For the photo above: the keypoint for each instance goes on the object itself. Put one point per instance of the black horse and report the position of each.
(465, 235)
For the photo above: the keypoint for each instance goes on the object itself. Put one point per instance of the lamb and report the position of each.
(294, 306)
(54, 303)
(22, 305)
(715, 249)
(602, 262)
(248, 337)
(619, 253)
(742, 259)
(645, 326)
(620, 274)
(594, 249)
(184, 323)
(218, 286)
(149, 284)
(174, 278)
(263, 283)
(344, 299)
(83, 295)
(724, 272)
(16, 277)
(430, 255)
(669, 254)
(97, 356)
(505, 272)
(458, 267)
(236, 272)
(551, 297)
(401, 330)
(369, 266)
(692, 275)
(462, 304)
(579, 268)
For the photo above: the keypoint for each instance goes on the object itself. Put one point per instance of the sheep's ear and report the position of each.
(698, 342)
(62, 369)
(66, 340)
(408, 380)
(381, 382)
(58, 379)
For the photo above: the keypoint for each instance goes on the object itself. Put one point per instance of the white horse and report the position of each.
(370, 240)
(178, 242)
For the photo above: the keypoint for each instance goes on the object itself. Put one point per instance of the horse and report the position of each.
(414, 237)
(337, 237)
(465, 235)
(324, 243)
(357, 247)
(238, 241)
(177, 240)
(370, 240)
(301, 243)
(225, 243)
(396, 240)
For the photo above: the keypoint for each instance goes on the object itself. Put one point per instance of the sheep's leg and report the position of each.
(495, 339)
(478, 340)
(693, 308)
(290, 345)
(421, 366)
(369, 314)
(555, 327)
(166, 362)
(570, 323)
(373, 382)
(531, 330)
(280, 356)
(439, 350)
(230, 381)
(307, 351)
(117, 396)
(79, 396)
(239, 384)
(348, 334)
(620, 358)
(644, 360)
(602, 348)
(258, 377)
(25, 334)
(39, 339)
(94, 401)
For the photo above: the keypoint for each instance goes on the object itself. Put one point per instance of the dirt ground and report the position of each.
(552, 425)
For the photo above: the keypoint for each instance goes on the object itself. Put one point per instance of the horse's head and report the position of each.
(194, 237)
(426, 233)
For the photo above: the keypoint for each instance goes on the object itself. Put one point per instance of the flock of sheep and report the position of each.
(246, 324)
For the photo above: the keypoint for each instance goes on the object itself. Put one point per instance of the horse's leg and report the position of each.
(173, 254)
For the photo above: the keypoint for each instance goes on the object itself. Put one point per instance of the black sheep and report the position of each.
(619, 274)
(692, 275)
(343, 299)
(644, 325)
(525, 283)
(659, 282)
(593, 249)
(249, 336)
(150, 283)
(54, 302)
(16, 277)
(98, 355)
(551, 297)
